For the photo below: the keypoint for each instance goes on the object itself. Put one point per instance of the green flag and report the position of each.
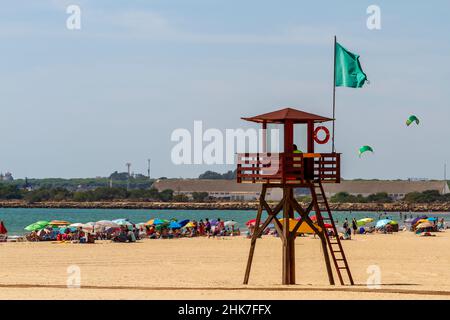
(348, 69)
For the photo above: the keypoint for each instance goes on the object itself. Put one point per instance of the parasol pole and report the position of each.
(334, 95)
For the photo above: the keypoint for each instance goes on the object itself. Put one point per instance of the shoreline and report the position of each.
(371, 207)
(216, 267)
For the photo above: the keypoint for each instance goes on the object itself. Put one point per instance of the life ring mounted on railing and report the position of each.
(327, 135)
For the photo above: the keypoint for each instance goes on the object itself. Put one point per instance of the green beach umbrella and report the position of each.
(37, 225)
(363, 222)
(412, 119)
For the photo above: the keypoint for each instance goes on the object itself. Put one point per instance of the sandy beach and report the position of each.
(411, 267)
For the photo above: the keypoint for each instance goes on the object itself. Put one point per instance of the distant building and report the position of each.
(395, 189)
(217, 189)
(6, 177)
(230, 190)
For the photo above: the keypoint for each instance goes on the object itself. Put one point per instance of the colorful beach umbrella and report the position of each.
(122, 222)
(304, 227)
(76, 225)
(424, 225)
(39, 225)
(184, 222)
(382, 223)
(190, 224)
(174, 225)
(57, 223)
(230, 223)
(417, 219)
(3, 228)
(160, 222)
(107, 224)
(364, 221)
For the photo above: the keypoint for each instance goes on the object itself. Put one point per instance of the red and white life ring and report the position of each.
(327, 135)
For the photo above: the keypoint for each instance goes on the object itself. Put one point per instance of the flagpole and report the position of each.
(334, 94)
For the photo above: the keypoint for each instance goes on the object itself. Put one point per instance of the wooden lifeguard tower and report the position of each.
(288, 170)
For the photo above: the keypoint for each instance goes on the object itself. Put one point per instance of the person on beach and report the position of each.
(345, 225)
(354, 226)
(207, 227)
(201, 228)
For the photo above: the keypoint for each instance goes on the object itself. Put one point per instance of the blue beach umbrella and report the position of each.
(382, 223)
(174, 225)
(183, 222)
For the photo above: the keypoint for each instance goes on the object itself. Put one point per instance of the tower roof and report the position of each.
(280, 116)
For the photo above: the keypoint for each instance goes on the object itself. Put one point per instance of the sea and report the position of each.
(16, 219)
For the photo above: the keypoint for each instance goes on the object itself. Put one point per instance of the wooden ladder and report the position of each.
(334, 245)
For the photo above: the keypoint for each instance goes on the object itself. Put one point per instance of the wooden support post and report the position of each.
(255, 234)
(286, 274)
(291, 239)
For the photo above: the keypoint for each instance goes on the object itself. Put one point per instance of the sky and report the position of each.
(82, 103)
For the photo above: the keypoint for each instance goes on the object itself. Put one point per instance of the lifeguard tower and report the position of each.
(288, 170)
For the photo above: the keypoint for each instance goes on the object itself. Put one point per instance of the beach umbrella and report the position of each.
(122, 222)
(417, 219)
(57, 223)
(184, 222)
(107, 224)
(230, 223)
(64, 229)
(304, 227)
(37, 225)
(174, 225)
(363, 222)
(160, 222)
(214, 222)
(432, 219)
(424, 225)
(190, 224)
(382, 223)
(91, 227)
(393, 222)
(251, 222)
(76, 225)
(3, 228)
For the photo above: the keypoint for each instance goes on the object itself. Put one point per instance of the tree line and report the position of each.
(12, 192)
(428, 196)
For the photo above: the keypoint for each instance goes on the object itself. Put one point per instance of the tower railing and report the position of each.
(295, 168)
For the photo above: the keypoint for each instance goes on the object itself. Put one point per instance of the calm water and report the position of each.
(16, 219)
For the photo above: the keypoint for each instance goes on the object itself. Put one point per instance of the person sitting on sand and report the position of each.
(131, 237)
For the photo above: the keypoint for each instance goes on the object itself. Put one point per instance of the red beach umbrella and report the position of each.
(3, 228)
(250, 222)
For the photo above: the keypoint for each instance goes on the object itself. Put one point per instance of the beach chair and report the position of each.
(3, 237)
